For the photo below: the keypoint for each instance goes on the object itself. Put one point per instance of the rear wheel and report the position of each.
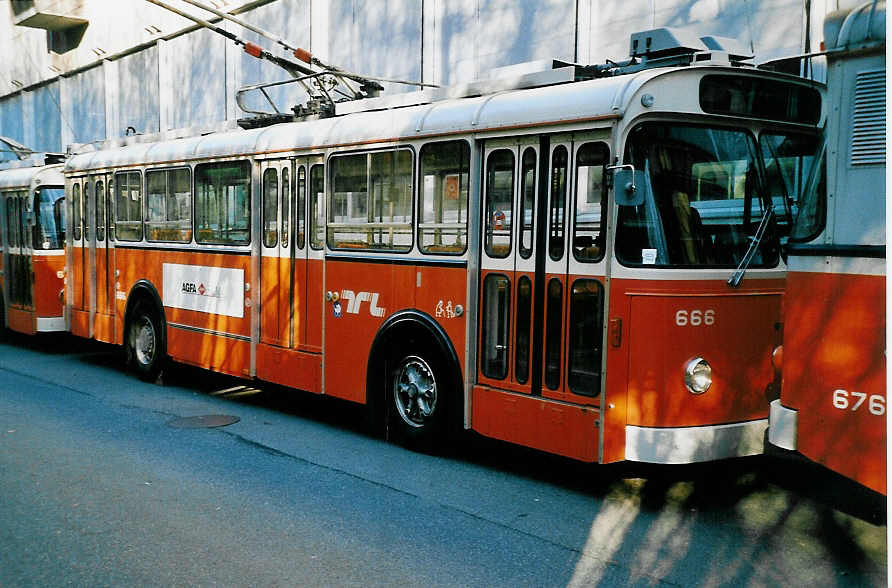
(417, 401)
(144, 352)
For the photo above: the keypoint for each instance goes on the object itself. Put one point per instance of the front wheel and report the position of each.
(417, 401)
(144, 353)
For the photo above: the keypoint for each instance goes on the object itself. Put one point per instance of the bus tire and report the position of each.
(143, 344)
(417, 400)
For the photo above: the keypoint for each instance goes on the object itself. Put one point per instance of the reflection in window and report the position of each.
(317, 207)
(494, 331)
(128, 206)
(286, 207)
(76, 210)
(588, 241)
(443, 198)
(50, 218)
(788, 161)
(300, 207)
(223, 203)
(100, 211)
(88, 209)
(557, 197)
(169, 199)
(527, 202)
(584, 352)
(704, 199)
(499, 202)
(812, 213)
(12, 218)
(270, 207)
(524, 313)
(371, 201)
(553, 331)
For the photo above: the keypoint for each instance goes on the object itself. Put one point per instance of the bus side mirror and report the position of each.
(629, 187)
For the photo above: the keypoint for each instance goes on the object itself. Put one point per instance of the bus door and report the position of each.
(18, 260)
(78, 275)
(309, 244)
(102, 255)
(312, 305)
(275, 260)
(542, 293)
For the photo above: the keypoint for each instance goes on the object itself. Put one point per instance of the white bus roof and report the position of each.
(24, 178)
(591, 100)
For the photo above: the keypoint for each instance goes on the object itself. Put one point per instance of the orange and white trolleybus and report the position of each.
(582, 260)
(832, 407)
(32, 238)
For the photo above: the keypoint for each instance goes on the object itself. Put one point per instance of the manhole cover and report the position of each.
(205, 421)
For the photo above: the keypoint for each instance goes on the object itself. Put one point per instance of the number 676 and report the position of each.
(843, 399)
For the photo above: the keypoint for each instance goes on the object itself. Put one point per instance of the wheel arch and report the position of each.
(403, 326)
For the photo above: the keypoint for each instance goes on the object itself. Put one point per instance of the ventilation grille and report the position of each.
(869, 118)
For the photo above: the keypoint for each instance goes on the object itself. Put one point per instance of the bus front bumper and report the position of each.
(695, 444)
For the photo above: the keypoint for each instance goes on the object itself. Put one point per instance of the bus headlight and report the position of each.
(698, 375)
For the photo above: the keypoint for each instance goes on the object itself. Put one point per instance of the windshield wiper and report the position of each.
(755, 241)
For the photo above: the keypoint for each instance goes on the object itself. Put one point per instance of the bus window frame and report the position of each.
(141, 183)
(417, 225)
(146, 173)
(329, 194)
(248, 163)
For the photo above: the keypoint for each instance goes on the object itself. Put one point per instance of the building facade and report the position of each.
(79, 71)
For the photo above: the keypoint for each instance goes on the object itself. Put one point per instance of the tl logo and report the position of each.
(354, 302)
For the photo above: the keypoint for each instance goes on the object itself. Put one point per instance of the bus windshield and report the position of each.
(705, 199)
(49, 206)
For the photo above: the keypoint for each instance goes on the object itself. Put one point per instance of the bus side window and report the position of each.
(128, 206)
(584, 351)
(76, 210)
(270, 207)
(223, 203)
(588, 229)
(556, 227)
(286, 207)
(300, 208)
(317, 207)
(89, 198)
(371, 201)
(169, 202)
(527, 212)
(100, 211)
(496, 322)
(443, 198)
(499, 202)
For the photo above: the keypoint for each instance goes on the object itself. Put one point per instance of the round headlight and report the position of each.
(698, 375)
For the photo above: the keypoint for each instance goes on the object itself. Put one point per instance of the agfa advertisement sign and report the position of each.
(215, 290)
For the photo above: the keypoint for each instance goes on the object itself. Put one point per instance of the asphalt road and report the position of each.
(97, 488)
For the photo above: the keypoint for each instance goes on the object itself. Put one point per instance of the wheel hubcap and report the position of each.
(415, 392)
(144, 341)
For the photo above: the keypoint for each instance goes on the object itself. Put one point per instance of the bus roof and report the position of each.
(24, 178)
(555, 105)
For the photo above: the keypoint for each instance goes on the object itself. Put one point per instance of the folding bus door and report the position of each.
(275, 275)
(18, 275)
(307, 273)
(103, 263)
(542, 294)
(291, 273)
(79, 271)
